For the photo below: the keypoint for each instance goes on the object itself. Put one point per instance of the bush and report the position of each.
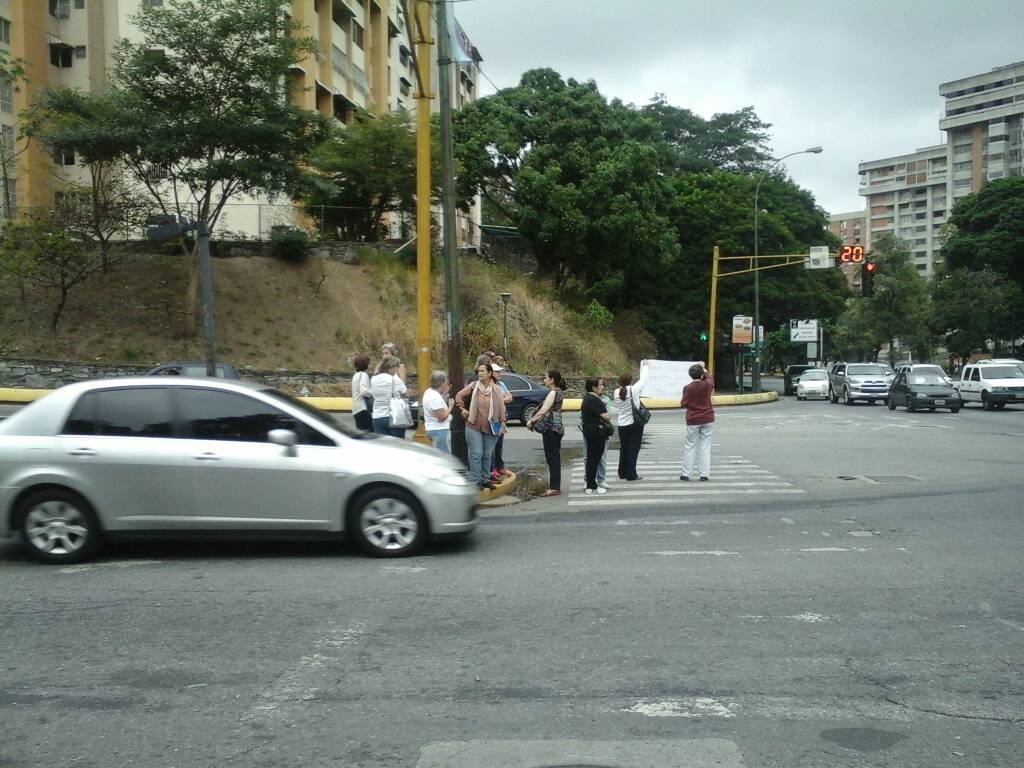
(290, 244)
(598, 317)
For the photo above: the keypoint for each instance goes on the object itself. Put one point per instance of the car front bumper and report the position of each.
(821, 392)
(450, 508)
(936, 402)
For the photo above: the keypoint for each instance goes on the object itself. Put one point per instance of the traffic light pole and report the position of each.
(716, 275)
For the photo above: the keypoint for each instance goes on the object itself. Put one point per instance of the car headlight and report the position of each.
(446, 475)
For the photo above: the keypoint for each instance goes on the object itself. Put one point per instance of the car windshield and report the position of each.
(813, 376)
(927, 378)
(868, 370)
(1001, 372)
(315, 413)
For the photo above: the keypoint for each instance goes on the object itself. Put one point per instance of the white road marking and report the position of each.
(698, 706)
(676, 553)
(806, 618)
(788, 521)
(112, 564)
(676, 497)
(834, 549)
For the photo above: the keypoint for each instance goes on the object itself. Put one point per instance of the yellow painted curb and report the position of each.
(334, 404)
(751, 399)
(11, 395)
(504, 487)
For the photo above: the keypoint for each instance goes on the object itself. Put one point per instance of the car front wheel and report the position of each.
(58, 526)
(833, 398)
(528, 411)
(388, 522)
(846, 397)
(891, 403)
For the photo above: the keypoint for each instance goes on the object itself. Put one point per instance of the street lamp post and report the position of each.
(755, 371)
(505, 297)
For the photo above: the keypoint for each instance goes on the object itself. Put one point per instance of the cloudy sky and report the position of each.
(860, 77)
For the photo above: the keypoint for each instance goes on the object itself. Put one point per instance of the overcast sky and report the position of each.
(860, 78)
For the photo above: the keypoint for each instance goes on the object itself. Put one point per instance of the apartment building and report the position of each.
(911, 195)
(851, 229)
(906, 196)
(364, 65)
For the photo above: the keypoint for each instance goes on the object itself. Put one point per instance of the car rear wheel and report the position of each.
(986, 404)
(387, 522)
(58, 526)
(528, 411)
(832, 396)
(911, 408)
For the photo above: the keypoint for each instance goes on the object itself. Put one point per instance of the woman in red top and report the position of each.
(700, 419)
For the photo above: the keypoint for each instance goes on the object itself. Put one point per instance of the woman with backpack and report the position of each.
(548, 422)
(630, 422)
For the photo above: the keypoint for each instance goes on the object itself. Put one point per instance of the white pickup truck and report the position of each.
(993, 384)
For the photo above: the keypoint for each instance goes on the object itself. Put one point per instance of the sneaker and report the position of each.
(505, 472)
(604, 485)
(634, 479)
(495, 476)
(551, 492)
(685, 478)
(601, 490)
(589, 491)
(703, 479)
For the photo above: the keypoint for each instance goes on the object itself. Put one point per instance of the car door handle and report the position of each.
(82, 452)
(207, 456)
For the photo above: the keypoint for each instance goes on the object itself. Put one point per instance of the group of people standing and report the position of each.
(482, 404)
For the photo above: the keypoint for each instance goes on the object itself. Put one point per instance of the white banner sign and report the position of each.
(820, 258)
(803, 330)
(665, 378)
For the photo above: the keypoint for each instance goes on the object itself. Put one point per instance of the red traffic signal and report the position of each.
(867, 278)
(869, 266)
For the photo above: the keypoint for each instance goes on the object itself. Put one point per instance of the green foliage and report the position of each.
(987, 230)
(597, 316)
(734, 141)
(290, 244)
(46, 255)
(582, 177)
(974, 307)
(367, 170)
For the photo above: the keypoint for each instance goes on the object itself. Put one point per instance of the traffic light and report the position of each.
(867, 278)
(703, 336)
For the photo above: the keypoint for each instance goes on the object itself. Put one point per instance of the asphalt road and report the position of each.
(875, 621)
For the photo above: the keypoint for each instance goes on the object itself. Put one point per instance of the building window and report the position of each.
(961, 183)
(79, 51)
(61, 56)
(79, 5)
(60, 9)
(5, 31)
(60, 157)
(6, 96)
(7, 140)
(964, 166)
(152, 3)
(357, 34)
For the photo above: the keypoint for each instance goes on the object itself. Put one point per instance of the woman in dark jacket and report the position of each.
(595, 420)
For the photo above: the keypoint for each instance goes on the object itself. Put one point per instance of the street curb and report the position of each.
(504, 487)
(344, 404)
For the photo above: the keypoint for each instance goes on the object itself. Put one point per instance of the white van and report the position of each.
(991, 383)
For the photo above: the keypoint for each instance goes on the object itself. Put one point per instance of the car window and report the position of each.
(135, 412)
(974, 375)
(926, 378)
(813, 376)
(209, 414)
(514, 383)
(1002, 372)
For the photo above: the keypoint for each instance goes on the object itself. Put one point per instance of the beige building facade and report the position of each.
(364, 65)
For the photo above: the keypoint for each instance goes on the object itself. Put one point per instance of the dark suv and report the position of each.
(792, 377)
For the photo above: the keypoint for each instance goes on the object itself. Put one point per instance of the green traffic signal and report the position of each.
(703, 336)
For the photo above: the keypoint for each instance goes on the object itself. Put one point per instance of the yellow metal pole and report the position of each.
(714, 301)
(423, 234)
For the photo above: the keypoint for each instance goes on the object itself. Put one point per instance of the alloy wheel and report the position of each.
(389, 525)
(56, 527)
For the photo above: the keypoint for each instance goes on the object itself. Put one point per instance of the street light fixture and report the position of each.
(505, 298)
(755, 372)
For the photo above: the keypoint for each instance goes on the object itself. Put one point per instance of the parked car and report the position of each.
(921, 388)
(922, 368)
(194, 368)
(146, 456)
(1003, 361)
(812, 383)
(859, 381)
(991, 384)
(527, 395)
(791, 376)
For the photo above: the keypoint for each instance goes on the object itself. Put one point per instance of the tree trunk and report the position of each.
(192, 295)
(58, 310)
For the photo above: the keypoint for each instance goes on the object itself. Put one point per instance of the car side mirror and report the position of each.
(285, 438)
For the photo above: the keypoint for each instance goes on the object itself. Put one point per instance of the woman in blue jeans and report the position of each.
(483, 408)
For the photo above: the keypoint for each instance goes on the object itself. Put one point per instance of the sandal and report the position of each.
(551, 492)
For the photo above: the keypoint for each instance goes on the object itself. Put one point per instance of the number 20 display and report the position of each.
(851, 254)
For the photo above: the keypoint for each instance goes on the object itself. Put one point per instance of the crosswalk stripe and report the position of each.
(727, 483)
(685, 499)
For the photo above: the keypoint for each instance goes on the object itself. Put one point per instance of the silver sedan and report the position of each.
(162, 457)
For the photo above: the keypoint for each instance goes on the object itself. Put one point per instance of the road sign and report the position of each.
(742, 329)
(803, 330)
(820, 258)
(812, 350)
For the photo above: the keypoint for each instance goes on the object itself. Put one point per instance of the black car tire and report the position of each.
(404, 536)
(1000, 406)
(954, 410)
(846, 397)
(891, 403)
(833, 398)
(986, 404)
(911, 408)
(86, 537)
(528, 411)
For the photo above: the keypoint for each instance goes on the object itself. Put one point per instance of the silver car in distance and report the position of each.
(157, 456)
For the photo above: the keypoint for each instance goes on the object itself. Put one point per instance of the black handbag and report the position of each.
(641, 413)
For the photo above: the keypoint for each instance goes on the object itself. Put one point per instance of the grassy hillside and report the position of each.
(311, 316)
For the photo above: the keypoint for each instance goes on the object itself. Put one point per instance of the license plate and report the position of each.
(940, 402)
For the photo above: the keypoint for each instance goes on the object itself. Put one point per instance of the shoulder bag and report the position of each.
(641, 413)
(399, 413)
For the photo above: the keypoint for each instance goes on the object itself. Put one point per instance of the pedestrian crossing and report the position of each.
(732, 477)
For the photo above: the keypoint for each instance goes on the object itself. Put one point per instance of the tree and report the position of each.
(899, 307)
(733, 141)
(198, 112)
(12, 74)
(369, 170)
(46, 255)
(583, 178)
(975, 307)
(987, 230)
